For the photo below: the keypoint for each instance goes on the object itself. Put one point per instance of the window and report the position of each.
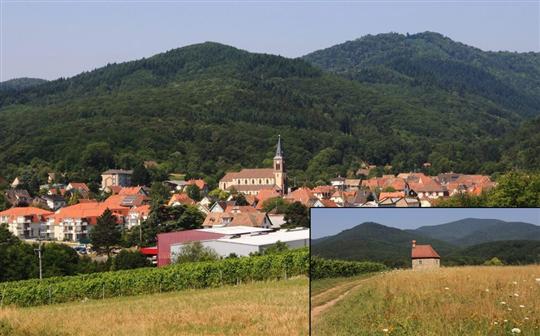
(420, 262)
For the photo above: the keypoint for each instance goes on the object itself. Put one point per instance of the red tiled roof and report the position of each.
(199, 183)
(89, 211)
(390, 194)
(265, 194)
(182, 199)
(249, 173)
(115, 189)
(254, 219)
(165, 240)
(37, 214)
(128, 191)
(142, 210)
(424, 251)
(240, 208)
(302, 195)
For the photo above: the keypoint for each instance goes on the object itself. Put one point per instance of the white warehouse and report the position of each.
(244, 244)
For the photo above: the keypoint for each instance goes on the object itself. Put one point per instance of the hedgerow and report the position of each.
(154, 280)
(329, 268)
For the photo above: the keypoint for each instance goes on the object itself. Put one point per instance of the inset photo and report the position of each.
(434, 271)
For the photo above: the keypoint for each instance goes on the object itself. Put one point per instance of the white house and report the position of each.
(25, 222)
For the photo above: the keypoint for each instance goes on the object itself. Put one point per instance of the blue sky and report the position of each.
(329, 221)
(49, 39)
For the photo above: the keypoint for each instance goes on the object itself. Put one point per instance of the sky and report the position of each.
(61, 38)
(330, 221)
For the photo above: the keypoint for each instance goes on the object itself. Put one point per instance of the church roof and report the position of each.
(249, 173)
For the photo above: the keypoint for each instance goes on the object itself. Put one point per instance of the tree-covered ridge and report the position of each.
(430, 59)
(391, 246)
(22, 83)
(209, 108)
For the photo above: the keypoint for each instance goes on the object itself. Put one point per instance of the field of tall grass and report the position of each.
(449, 301)
(258, 308)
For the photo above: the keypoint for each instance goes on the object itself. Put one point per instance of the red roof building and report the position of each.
(184, 199)
(424, 257)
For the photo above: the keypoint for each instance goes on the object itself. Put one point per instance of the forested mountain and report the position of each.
(375, 242)
(208, 108)
(472, 231)
(20, 83)
(429, 59)
(512, 252)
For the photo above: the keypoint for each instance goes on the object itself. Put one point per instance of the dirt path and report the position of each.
(316, 311)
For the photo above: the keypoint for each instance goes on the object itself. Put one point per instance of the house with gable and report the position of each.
(424, 257)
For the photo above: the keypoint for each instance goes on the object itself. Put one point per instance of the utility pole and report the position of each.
(38, 250)
(140, 233)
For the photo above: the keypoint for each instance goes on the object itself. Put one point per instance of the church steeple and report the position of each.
(279, 151)
(280, 173)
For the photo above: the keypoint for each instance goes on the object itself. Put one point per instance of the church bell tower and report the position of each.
(279, 168)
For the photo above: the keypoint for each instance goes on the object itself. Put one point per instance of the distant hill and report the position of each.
(431, 59)
(375, 242)
(21, 83)
(513, 252)
(472, 231)
(208, 108)
(453, 241)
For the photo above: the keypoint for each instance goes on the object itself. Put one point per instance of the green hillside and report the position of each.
(208, 108)
(433, 60)
(465, 242)
(375, 242)
(510, 252)
(472, 231)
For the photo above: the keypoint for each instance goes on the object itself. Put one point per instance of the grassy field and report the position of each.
(260, 308)
(449, 301)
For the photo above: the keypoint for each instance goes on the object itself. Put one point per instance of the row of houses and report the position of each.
(72, 223)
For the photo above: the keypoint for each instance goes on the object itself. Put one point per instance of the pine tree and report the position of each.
(106, 233)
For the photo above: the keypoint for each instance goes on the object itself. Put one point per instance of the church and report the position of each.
(251, 181)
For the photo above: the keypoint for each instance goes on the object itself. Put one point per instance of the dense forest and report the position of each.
(204, 109)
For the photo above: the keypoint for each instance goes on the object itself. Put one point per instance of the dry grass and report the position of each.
(261, 308)
(449, 301)
(325, 290)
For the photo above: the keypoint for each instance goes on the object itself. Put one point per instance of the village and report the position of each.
(244, 215)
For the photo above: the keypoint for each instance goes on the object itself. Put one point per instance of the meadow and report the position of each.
(483, 300)
(257, 308)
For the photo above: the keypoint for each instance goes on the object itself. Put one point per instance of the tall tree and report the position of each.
(194, 192)
(159, 193)
(106, 233)
(140, 176)
(297, 214)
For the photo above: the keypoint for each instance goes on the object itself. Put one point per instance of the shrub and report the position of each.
(328, 268)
